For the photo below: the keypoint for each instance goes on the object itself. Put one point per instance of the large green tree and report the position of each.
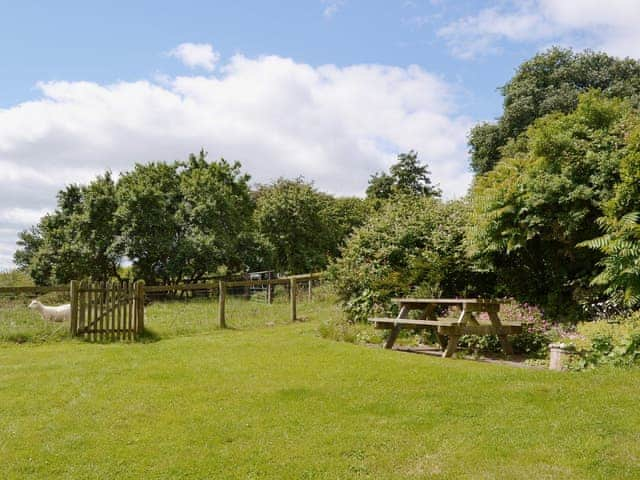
(76, 239)
(550, 82)
(184, 220)
(406, 176)
(173, 222)
(291, 218)
(534, 208)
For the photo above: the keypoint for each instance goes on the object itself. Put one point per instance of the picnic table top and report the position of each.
(447, 301)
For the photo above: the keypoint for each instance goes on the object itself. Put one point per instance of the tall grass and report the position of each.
(18, 324)
(170, 318)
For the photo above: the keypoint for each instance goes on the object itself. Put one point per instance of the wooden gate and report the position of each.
(107, 311)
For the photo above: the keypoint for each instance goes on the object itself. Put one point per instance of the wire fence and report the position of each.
(245, 304)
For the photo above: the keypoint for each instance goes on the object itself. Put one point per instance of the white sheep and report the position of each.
(53, 314)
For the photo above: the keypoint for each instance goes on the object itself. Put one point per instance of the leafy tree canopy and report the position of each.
(172, 221)
(74, 240)
(301, 227)
(184, 220)
(550, 82)
(534, 207)
(406, 176)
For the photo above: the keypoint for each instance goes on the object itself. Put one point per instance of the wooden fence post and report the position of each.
(310, 285)
(139, 289)
(292, 295)
(74, 307)
(222, 291)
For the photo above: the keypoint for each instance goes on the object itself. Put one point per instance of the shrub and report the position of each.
(615, 342)
(410, 244)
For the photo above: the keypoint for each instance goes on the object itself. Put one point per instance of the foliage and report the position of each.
(184, 220)
(344, 215)
(342, 330)
(621, 263)
(76, 240)
(550, 82)
(15, 278)
(615, 343)
(171, 221)
(533, 209)
(410, 242)
(406, 176)
(620, 243)
(301, 227)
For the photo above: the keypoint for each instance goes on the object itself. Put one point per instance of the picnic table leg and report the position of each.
(504, 340)
(393, 335)
(452, 346)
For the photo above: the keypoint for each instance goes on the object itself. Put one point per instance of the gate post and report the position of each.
(73, 293)
(139, 289)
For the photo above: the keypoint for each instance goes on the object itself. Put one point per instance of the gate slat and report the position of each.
(112, 306)
(103, 311)
(116, 313)
(89, 312)
(81, 308)
(129, 310)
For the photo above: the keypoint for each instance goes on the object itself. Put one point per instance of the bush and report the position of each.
(410, 244)
(615, 342)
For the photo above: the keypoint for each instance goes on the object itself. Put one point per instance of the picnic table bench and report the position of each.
(449, 330)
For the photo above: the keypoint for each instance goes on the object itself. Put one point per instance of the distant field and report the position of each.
(164, 319)
(281, 403)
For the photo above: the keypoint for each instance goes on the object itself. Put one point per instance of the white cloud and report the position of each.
(334, 125)
(196, 55)
(332, 7)
(610, 26)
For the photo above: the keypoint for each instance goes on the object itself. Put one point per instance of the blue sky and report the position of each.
(329, 89)
(107, 42)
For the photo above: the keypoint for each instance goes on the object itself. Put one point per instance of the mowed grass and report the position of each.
(281, 402)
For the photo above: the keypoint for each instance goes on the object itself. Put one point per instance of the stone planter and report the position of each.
(559, 355)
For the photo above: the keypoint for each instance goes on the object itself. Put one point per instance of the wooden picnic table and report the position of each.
(449, 330)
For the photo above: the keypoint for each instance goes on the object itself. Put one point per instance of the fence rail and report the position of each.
(34, 290)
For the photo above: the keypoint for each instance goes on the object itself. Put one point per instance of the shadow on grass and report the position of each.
(148, 336)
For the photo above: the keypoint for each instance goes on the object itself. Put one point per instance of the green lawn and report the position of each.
(281, 402)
